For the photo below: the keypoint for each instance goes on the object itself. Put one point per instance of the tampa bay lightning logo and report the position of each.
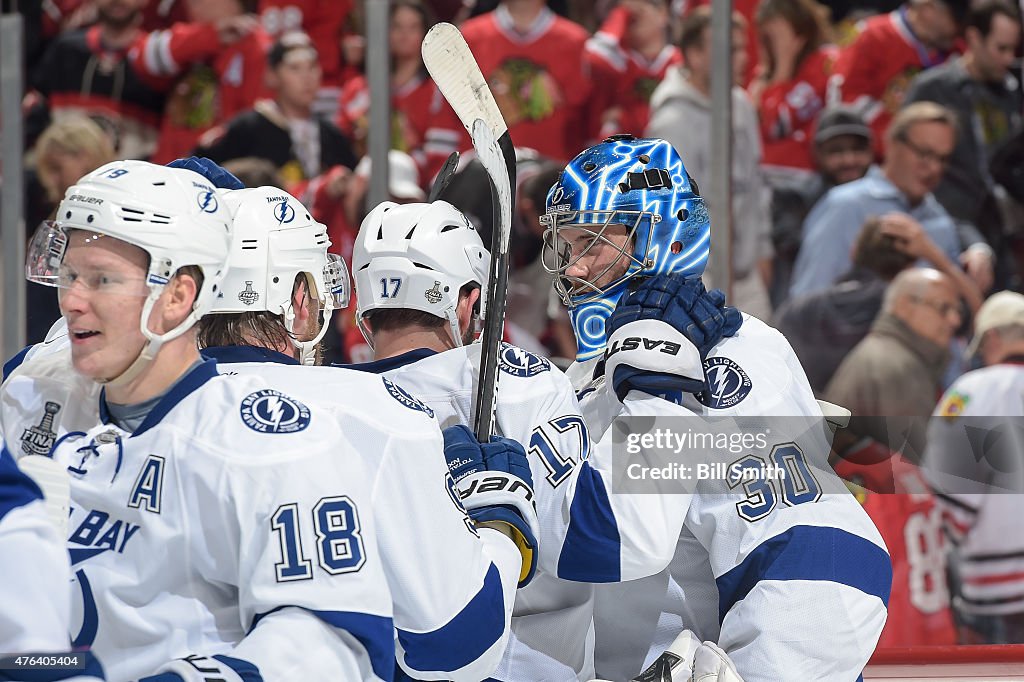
(270, 411)
(727, 383)
(403, 396)
(207, 201)
(521, 363)
(284, 213)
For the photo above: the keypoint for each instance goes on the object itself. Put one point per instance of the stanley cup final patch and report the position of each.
(38, 439)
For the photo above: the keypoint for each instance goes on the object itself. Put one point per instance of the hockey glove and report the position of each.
(221, 177)
(496, 486)
(660, 333)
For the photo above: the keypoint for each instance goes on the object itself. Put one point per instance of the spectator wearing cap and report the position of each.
(986, 98)
(874, 70)
(973, 463)
(284, 130)
(842, 153)
(212, 68)
(919, 141)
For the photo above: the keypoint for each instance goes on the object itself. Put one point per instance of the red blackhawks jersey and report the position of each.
(789, 112)
(903, 508)
(78, 75)
(412, 107)
(208, 82)
(874, 71)
(622, 102)
(322, 21)
(538, 78)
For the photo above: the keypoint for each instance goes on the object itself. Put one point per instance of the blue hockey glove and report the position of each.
(661, 332)
(221, 177)
(496, 486)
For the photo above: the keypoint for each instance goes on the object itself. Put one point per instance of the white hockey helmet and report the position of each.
(417, 256)
(275, 239)
(173, 214)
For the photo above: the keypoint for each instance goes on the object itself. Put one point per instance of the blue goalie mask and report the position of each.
(623, 209)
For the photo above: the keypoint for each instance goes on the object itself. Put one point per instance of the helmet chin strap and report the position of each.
(153, 343)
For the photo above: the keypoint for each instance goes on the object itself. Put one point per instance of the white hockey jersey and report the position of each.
(452, 586)
(581, 539)
(35, 606)
(789, 576)
(537, 407)
(230, 535)
(973, 463)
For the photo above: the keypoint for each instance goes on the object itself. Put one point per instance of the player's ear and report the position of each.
(467, 306)
(179, 296)
(301, 302)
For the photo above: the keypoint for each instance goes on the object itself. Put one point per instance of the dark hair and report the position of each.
(982, 13)
(809, 19)
(536, 187)
(254, 171)
(418, 6)
(397, 319)
(877, 252)
(260, 328)
(691, 31)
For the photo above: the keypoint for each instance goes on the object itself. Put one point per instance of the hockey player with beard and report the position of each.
(452, 599)
(789, 577)
(198, 501)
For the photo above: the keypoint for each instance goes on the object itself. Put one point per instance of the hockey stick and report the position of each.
(454, 69)
(444, 177)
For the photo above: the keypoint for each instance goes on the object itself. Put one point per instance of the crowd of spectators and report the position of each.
(877, 153)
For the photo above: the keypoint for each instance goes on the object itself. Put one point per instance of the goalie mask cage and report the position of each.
(966, 662)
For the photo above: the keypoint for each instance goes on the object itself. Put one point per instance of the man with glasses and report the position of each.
(896, 371)
(920, 142)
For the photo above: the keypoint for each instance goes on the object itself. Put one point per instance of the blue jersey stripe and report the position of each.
(16, 488)
(375, 633)
(244, 669)
(15, 362)
(810, 553)
(591, 551)
(465, 637)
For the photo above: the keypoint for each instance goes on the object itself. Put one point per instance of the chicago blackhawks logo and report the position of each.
(250, 295)
(37, 440)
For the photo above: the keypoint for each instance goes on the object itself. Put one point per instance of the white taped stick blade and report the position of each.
(493, 160)
(55, 483)
(454, 69)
